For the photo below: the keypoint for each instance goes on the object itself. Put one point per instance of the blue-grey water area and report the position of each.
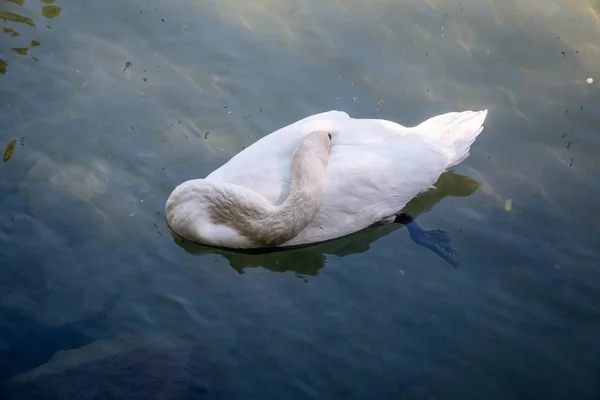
(107, 105)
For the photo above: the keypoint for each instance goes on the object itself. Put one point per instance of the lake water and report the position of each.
(113, 103)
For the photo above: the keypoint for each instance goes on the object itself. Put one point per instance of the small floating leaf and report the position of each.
(3, 65)
(21, 50)
(19, 2)
(51, 11)
(9, 16)
(12, 32)
(48, 1)
(35, 43)
(48, 26)
(35, 59)
(10, 149)
(508, 205)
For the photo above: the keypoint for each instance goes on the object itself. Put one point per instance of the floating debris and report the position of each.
(10, 150)
(3, 65)
(508, 205)
(589, 81)
(127, 65)
(9, 16)
(23, 51)
(35, 43)
(51, 11)
(354, 100)
(12, 32)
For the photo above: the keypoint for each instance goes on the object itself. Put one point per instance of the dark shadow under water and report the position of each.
(28, 342)
(143, 366)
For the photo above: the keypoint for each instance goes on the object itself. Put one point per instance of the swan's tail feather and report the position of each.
(456, 130)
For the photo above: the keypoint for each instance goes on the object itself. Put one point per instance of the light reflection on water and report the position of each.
(100, 143)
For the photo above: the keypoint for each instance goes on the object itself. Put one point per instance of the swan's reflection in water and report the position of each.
(308, 260)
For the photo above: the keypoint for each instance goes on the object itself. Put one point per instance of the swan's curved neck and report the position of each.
(267, 224)
(251, 215)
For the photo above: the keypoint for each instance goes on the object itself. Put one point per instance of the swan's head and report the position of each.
(316, 144)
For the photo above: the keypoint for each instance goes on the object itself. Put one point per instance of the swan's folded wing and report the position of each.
(266, 165)
(371, 182)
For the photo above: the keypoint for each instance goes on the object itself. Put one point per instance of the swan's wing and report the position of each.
(265, 166)
(371, 182)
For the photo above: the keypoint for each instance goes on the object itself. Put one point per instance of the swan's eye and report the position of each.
(329, 134)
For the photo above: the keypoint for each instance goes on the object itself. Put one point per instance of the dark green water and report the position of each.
(99, 301)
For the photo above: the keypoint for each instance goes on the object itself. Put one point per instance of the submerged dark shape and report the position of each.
(309, 259)
(27, 342)
(144, 367)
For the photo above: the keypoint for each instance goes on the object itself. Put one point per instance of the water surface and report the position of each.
(111, 104)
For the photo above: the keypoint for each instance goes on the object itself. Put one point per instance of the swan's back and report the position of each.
(375, 166)
(265, 165)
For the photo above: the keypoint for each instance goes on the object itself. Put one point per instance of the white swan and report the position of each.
(374, 168)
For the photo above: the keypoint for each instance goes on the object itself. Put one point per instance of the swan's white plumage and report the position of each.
(375, 166)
